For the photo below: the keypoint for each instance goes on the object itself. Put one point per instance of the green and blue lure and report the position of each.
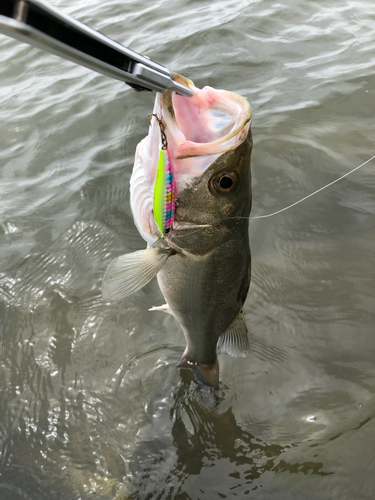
(164, 193)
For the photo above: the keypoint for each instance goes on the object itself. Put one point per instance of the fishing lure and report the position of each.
(164, 194)
(164, 187)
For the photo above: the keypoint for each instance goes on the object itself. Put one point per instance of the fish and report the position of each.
(190, 195)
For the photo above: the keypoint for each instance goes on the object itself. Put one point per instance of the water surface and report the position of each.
(91, 402)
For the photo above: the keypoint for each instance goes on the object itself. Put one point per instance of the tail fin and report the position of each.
(205, 374)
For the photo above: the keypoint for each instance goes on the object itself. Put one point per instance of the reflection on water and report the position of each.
(91, 403)
(212, 455)
(72, 440)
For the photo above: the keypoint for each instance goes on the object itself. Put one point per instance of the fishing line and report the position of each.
(315, 192)
(175, 236)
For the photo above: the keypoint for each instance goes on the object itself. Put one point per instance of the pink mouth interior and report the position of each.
(205, 117)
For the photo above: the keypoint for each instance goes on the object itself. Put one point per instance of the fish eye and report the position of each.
(225, 183)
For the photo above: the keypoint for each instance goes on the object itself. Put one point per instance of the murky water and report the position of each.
(91, 401)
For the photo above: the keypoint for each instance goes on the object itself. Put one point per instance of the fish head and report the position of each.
(210, 206)
(209, 145)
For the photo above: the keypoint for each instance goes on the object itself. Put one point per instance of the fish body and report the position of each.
(202, 261)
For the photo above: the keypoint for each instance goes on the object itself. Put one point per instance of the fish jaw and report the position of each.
(198, 130)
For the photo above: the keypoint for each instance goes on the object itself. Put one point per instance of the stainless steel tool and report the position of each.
(38, 24)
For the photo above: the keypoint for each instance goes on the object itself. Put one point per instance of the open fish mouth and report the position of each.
(198, 130)
(209, 123)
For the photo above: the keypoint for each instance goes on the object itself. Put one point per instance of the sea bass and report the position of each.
(196, 224)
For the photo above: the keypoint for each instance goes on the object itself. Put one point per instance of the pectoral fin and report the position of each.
(129, 273)
(234, 340)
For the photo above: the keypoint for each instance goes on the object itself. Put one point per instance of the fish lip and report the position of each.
(178, 225)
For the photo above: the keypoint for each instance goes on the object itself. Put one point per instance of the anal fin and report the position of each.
(234, 340)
